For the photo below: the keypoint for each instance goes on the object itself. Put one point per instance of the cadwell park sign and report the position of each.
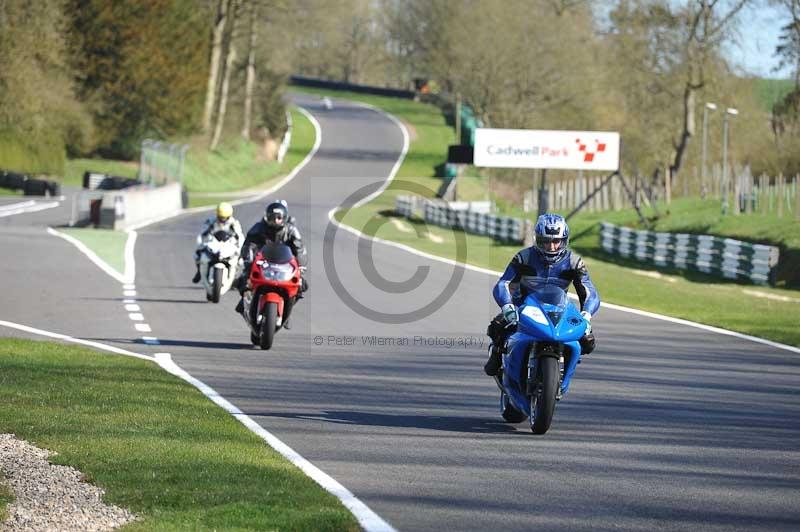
(548, 149)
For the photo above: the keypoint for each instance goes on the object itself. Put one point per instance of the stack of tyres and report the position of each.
(35, 187)
(15, 181)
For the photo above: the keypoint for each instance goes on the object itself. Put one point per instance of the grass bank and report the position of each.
(154, 443)
(107, 244)
(236, 165)
(687, 295)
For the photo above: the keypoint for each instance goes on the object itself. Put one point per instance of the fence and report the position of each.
(472, 217)
(567, 194)
(725, 257)
(161, 163)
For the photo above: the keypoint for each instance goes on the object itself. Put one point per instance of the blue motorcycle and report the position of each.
(541, 356)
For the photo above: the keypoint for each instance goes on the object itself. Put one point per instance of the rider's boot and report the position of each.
(196, 278)
(240, 306)
(495, 361)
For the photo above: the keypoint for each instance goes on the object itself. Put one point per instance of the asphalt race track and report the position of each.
(666, 426)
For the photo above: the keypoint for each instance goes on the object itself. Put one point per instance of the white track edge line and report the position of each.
(368, 519)
(89, 343)
(34, 208)
(100, 263)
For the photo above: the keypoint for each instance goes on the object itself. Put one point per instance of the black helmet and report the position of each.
(276, 214)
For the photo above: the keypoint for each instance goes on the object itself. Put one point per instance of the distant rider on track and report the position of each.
(548, 258)
(223, 221)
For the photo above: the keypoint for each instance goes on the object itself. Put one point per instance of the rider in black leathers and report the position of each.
(275, 226)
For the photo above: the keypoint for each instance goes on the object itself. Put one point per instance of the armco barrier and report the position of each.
(468, 216)
(723, 257)
(122, 209)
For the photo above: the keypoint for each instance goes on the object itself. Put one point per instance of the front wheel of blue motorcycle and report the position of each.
(543, 401)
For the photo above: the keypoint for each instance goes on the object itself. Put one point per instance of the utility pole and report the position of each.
(708, 107)
(725, 185)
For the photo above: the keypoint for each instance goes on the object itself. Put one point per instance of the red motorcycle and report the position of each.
(272, 287)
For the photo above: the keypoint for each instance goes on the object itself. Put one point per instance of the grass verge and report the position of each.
(682, 294)
(6, 498)
(238, 164)
(154, 443)
(10, 192)
(107, 244)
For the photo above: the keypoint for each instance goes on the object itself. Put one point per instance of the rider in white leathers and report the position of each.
(222, 221)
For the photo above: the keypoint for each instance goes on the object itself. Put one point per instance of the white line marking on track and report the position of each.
(129, 293)
(100, 263)
(142, 327)
(368, 519)
(96, 345)
(132, 307)
(30, 208)
(130, 261)
(150, 340)
(15, 206)
(129, 301)
(135, 316)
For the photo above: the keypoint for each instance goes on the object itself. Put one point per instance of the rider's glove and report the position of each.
(588, 318)
(510, 313)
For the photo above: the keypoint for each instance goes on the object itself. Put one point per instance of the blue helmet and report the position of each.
(551, 228)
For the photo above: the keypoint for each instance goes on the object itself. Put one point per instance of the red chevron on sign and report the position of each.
(588, 155)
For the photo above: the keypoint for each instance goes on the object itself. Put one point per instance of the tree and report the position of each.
(217, 32)
(230, 57)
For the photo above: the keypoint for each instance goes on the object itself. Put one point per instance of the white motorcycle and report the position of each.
(219, 260)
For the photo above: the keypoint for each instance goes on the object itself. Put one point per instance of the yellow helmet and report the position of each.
(224, 211)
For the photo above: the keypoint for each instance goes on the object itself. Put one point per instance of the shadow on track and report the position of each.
(473, 425)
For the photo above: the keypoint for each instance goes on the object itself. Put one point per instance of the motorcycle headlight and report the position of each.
(279, 272)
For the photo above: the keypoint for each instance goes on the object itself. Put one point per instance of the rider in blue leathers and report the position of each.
(549, 258)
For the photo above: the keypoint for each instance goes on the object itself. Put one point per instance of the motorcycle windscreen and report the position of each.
(276, 253)
(550, 294)
(221, 235)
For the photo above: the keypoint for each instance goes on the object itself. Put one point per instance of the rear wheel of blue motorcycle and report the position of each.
(268, 325)
(509, 413)
(543, 403)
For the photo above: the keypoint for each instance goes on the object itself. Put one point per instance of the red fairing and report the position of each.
(276, 289)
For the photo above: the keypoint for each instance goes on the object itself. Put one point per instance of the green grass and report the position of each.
(10, 192)
(238, 165)
(155, 444)
(205, 201)
(107, 244)
(6, 498)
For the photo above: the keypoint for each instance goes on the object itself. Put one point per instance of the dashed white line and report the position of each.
(150, 340)
(136, 316)
(142, 327)
(29, 208)
(129, 286)
(131, 307)
(129, 293)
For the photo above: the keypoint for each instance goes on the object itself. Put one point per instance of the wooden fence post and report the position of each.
(667, 186)
(779, 195)
(797, 197)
